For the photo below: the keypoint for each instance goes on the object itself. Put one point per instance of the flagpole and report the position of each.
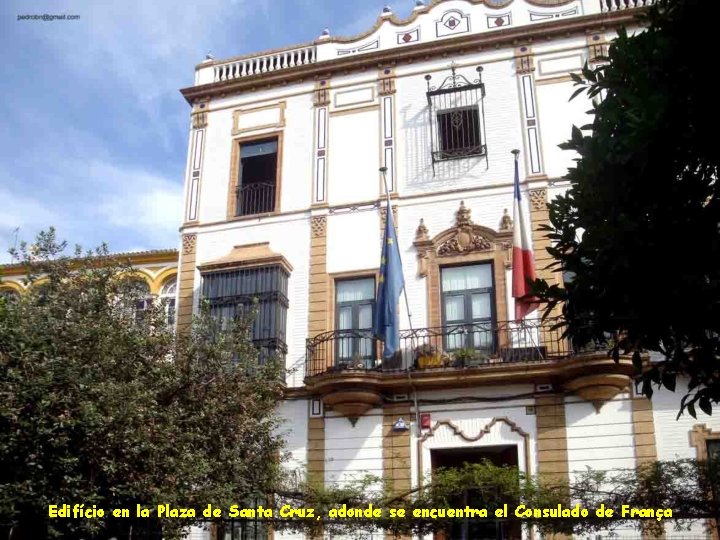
(523, 325)
(383, 170)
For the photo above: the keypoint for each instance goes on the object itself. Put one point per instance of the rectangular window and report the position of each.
(459, 132)
(354, 310)
(468, 305)
(257, 177)
(232, 293)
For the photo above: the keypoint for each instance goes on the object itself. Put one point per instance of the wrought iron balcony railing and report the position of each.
(448, 347)
(258, 198)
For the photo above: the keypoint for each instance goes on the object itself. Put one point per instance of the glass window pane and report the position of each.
(170, 287)
(454, 308)
(365, 316)
(482, 338)
(461, 278)
(366, 347)
(344, 318)
(481, 308)
(455, 340)
(355, 290)
(258, 148)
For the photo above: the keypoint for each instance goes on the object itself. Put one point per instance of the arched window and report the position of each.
(167, 296)
(140, 292)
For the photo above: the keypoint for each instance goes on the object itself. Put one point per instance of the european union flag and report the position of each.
(387, 324)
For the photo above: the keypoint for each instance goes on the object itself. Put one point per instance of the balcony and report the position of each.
(266, 63)
(450, 347)
(256, 198)
(346, 369)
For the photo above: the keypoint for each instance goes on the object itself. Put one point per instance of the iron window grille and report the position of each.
(457, 117)
(234, 292)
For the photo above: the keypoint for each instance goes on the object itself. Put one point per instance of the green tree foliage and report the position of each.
(102, 407)
(638, 228)
(684, 486)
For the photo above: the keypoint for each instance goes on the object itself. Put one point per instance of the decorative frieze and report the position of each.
(318, 224)
(538, 199)
(188, 243)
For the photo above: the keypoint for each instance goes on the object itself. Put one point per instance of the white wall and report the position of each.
(601, 440)
(557, 116)
(351, 452)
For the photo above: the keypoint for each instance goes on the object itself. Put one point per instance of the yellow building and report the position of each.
(156, 273)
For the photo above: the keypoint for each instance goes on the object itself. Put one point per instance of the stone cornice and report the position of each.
(509, 37)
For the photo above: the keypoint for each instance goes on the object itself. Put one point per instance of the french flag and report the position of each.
(523, 262)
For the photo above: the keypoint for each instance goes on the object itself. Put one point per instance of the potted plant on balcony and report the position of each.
(469, 358)
(427, 356)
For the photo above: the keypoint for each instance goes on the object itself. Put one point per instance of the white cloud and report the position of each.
(89, 197)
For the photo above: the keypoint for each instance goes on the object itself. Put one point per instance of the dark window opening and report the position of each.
(476, 529)
(354, 311)
(233, 293)
(257, 177)
(459, 133)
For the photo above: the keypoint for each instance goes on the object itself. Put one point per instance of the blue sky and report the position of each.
(94, 130)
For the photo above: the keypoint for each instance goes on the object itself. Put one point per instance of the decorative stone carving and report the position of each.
(386, 81)
(597, 48)
(199, 114)
(598, 389)
(318, 225)
(383, 217)
(188, 243)
(199, 120)
(506, 222)
(321, 96)
(421, 233)
(387, 87)
(524, 62)
(458, 432)
(538, 199)
(465, 239)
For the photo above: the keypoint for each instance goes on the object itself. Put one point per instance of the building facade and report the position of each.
(155, 274)
(285, 198)
(285, 201)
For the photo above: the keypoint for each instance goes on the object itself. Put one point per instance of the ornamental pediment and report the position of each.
(464, 238)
